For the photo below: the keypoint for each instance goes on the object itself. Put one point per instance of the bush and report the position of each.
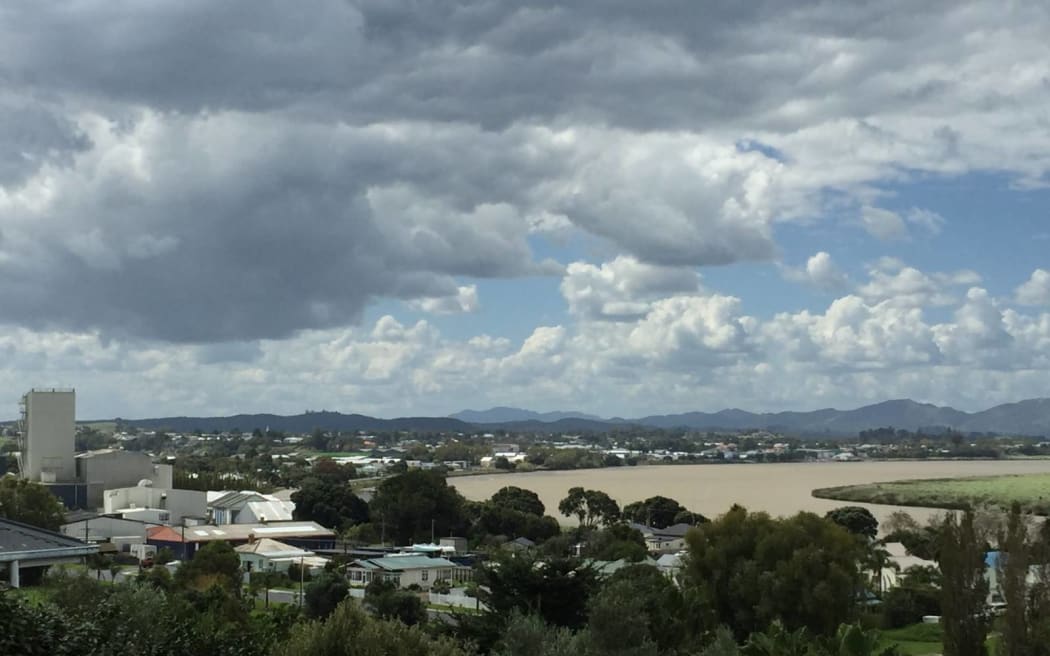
(904, 606)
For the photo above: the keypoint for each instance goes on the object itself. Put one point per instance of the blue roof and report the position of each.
(991, 559)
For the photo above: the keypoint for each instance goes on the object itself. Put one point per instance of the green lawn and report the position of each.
(1031, 490)
(921, 640)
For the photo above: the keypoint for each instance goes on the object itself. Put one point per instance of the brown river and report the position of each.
(779, 489)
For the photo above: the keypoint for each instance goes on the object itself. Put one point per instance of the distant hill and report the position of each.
(1031, 417)
(503, 415)
(304, 423)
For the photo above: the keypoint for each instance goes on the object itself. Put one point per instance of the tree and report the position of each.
(855, 519)
(658, 512)
(417, 505)
(1013, 582)
(638, 610)
(557, 590)
(498, 519)
(616, 542)
(748, 569)
(591, 507)
(324, 594)
(529, 635)
(30, 503)
(519, 499)
(386, 601)
(329, 503)
(349, 631)
(216, 563)
(964, 588)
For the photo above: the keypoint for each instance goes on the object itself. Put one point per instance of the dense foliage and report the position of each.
(30, 503)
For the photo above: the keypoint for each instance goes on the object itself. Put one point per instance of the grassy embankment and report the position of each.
(1031, 490)
(922, 640)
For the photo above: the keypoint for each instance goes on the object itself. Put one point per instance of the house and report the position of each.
(663, 540)
(185, 541)
(27, 547)
(604, 568)
(900, 561)
(248, 508)
(269, 555)
(405, 570)
(519, 544)
(670, 565)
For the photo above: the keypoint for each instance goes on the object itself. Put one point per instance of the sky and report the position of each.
(410, 208)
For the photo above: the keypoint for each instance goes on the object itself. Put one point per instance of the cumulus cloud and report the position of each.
(623, 288)
(240, 180)
(464, 300)
(820, 272)
(1035, 290)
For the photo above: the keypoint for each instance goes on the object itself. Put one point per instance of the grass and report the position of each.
(921, 640)
(1032, 491)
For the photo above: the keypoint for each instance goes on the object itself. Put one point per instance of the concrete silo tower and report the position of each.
(48, 435)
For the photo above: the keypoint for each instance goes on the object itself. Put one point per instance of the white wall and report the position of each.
(51, 427)
(179, 503)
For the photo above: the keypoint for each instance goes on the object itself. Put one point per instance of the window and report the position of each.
(426, 574)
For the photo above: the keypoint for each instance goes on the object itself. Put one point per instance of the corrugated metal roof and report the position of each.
(16, 536)
(402, 563)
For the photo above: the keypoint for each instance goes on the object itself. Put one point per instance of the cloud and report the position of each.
(464, 300)
(883, 224)
(623, 288)
(820, 272)
(892, 281)
(929, 221)
(1035, 290)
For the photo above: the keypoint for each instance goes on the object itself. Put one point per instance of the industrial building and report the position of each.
(46, 444)
(47, 455)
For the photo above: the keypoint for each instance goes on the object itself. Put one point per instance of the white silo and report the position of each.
(48, 435)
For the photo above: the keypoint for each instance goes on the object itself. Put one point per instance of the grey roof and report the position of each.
(28, 541)
(234, 499)
(677, 530)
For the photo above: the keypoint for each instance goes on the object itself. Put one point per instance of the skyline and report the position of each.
(414, 209)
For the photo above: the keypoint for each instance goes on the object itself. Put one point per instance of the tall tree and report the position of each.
(416, 505)
(591, 507)
(964, 588)
(1013, 585)
(749, 569)
(855, 519)
(657, 511)
(30, 503)
(330, 503)
(519, 499)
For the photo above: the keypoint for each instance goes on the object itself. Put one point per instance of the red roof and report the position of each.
(164, 534)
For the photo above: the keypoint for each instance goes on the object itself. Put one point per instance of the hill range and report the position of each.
(1030, 417)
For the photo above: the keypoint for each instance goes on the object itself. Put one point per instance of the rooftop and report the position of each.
(240, 532)
(398, 563)
(21, 540)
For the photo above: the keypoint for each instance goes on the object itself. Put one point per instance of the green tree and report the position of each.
(657, 511)
(639, 610)
(416, 505)
(519, 499)
(557, 590)
(349, 631)
(324, 594)
(385, 600)
(1013, 582)
(964, 588)
(591, 507)
(329, 503)
(529, 635)
(855, 519)
(216, 563)
(616, 542)
(748, 569)
(30, 503)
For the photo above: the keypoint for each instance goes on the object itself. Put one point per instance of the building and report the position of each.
(269, 555)
(185, 541)
(405, 570)
(153, 504)
(107, 469)
(27, 547)
(48, 432)
(102, 528)
(249, 508)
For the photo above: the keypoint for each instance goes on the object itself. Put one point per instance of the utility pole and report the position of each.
(431, 530)
(300, 581)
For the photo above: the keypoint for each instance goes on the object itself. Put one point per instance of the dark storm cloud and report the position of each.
(204, 171)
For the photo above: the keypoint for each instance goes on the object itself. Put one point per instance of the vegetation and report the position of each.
(30, 503)
(1028, 490)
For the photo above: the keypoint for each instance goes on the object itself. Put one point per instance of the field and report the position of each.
(1032, 491)
(779, 489)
